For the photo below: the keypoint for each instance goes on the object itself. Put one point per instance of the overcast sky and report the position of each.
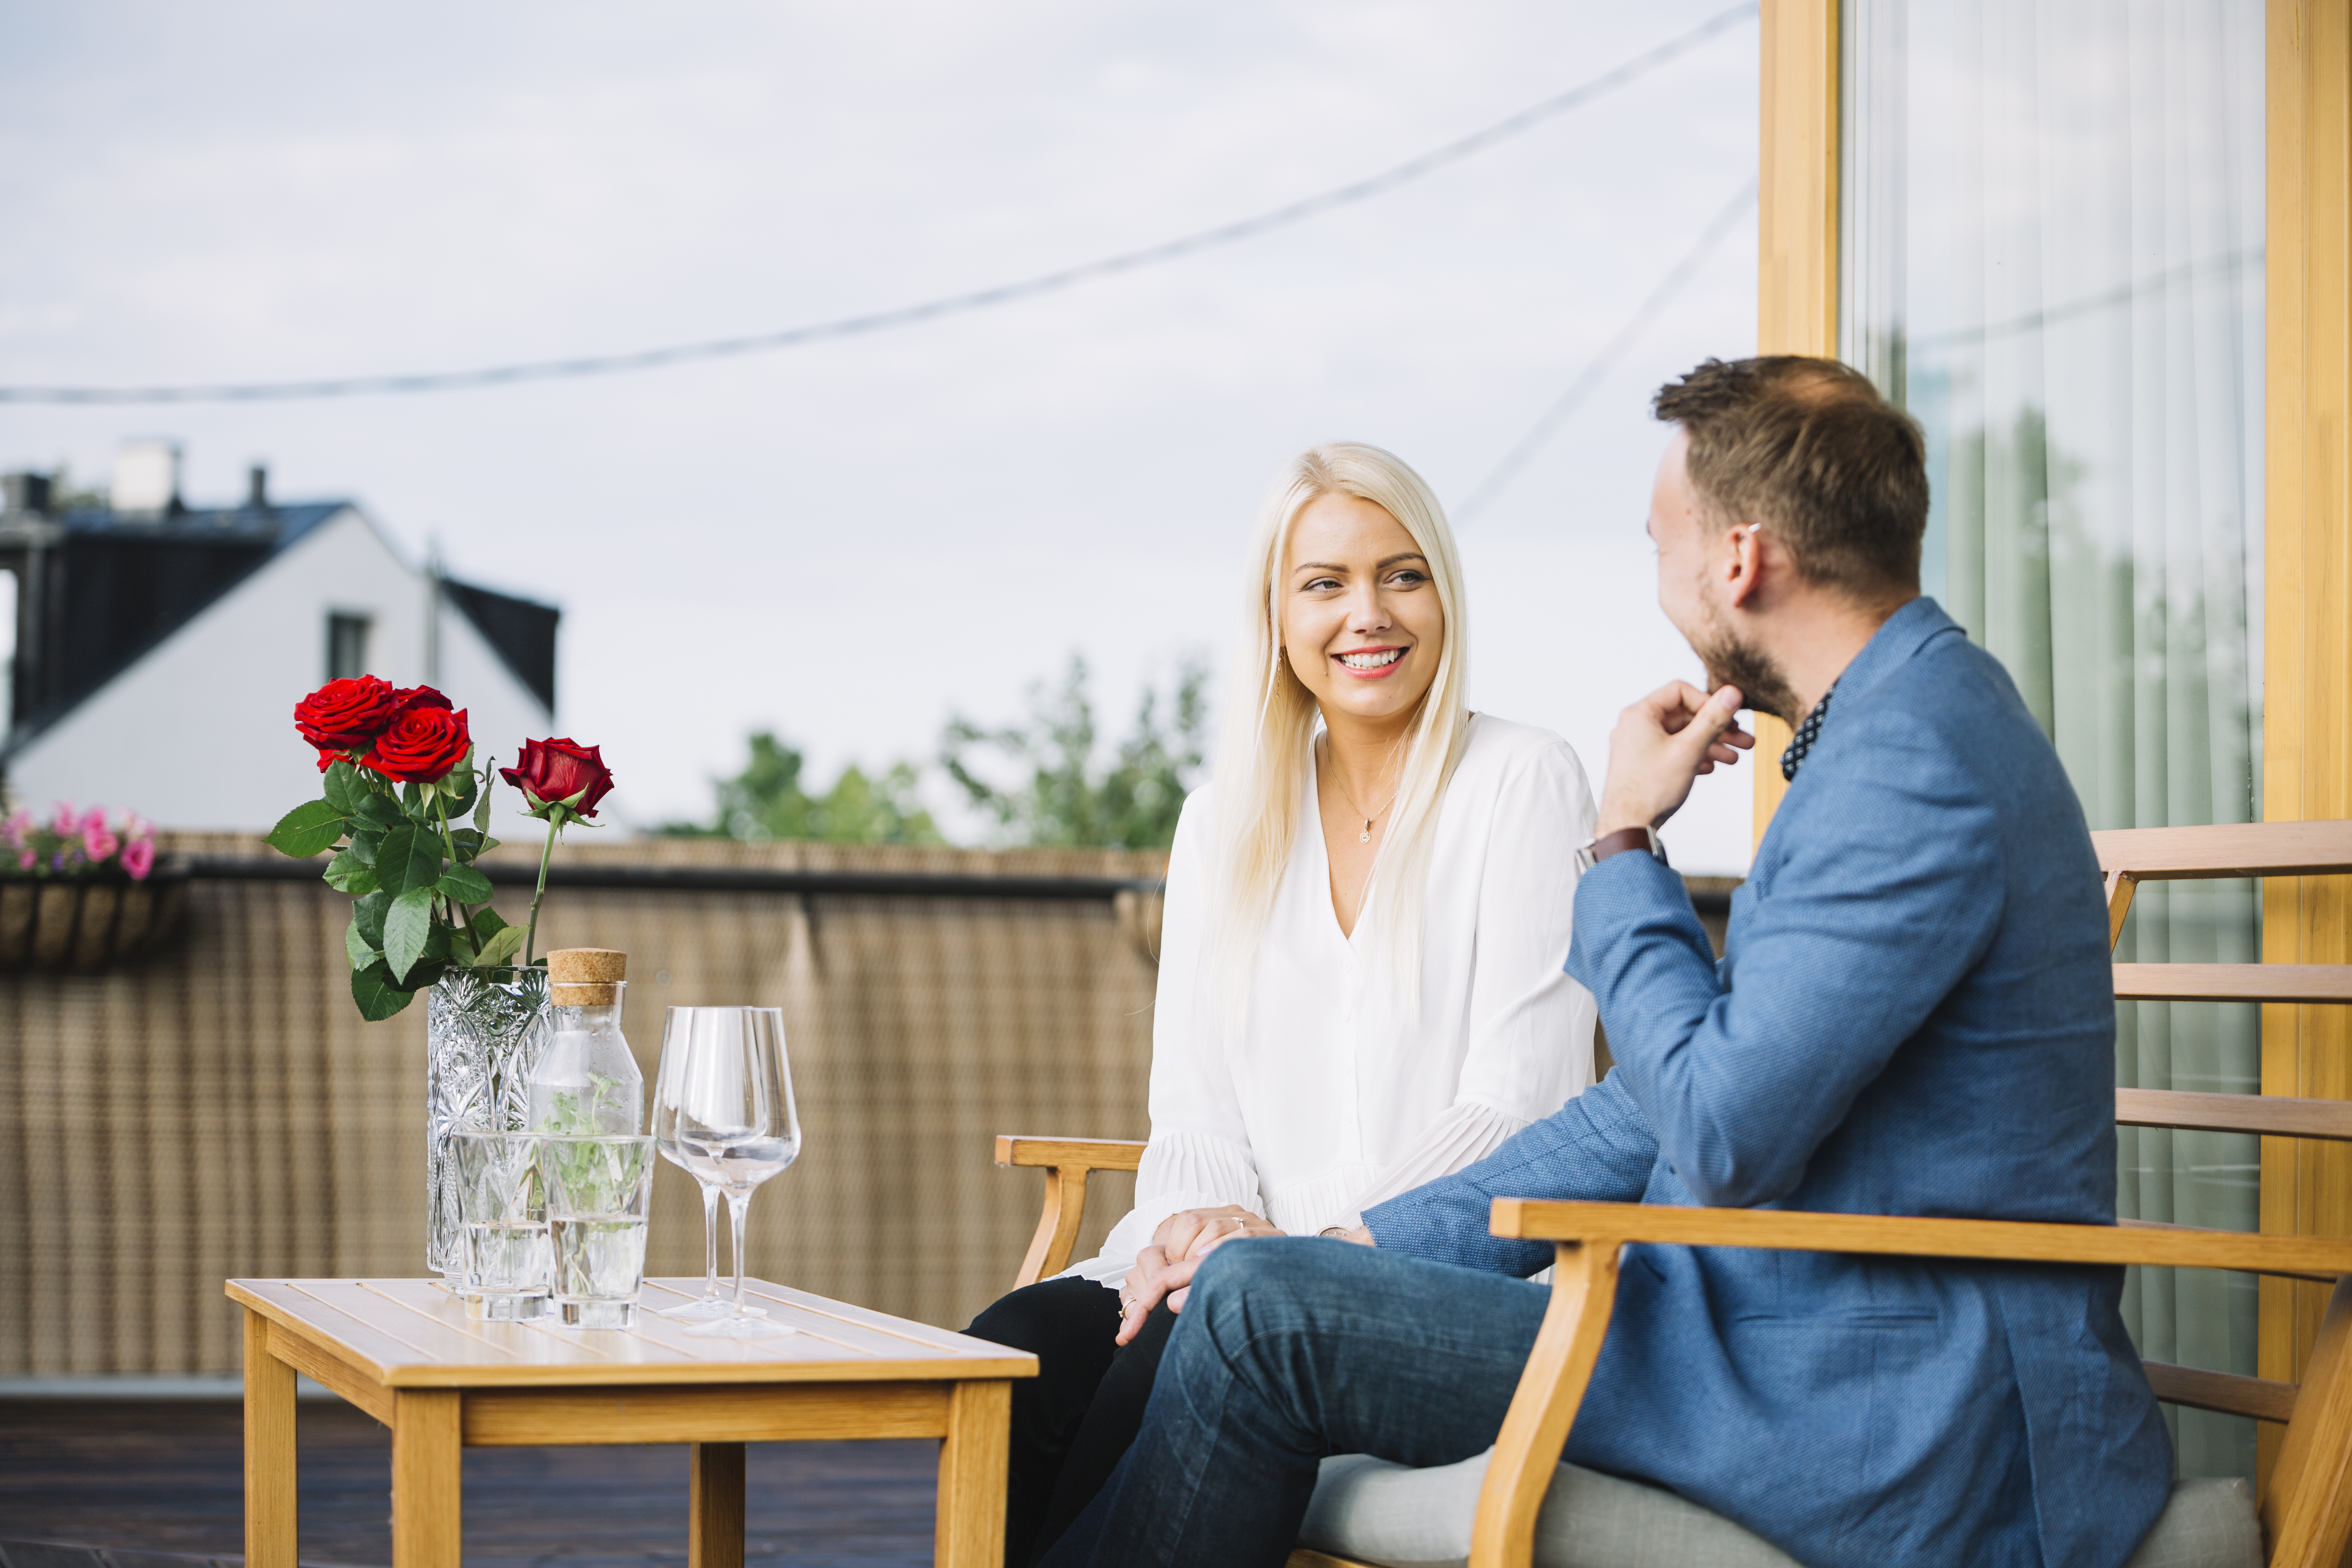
(846, 542)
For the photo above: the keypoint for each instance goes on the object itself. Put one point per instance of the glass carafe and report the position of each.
(586, 1083)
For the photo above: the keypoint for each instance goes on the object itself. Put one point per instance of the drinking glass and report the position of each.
(598, 1193)
(502, 1212)
(681, 1032)
(736, 1119)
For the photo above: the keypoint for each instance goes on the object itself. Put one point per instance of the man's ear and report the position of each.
(1745, 565)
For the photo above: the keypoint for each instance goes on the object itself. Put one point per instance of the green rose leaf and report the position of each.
(486, 923)
(342, 787)
(469, 843)
(466, 885)
(310, 827)
(461, 946)
(457, 789)
(378, 811)
(412, 801)
(347, 873)
(356, 946)
(377, 997)
(409, 860)
(364, 843)
(406, 928)
(368, 915)
(500, 947)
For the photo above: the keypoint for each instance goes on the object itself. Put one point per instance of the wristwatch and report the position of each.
(1616, 843)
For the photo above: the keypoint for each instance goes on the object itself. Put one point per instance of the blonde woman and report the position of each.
(1361, 983)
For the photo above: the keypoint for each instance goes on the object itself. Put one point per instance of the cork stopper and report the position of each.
(585, 976)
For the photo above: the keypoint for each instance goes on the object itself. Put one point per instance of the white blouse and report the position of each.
(1334, 1098)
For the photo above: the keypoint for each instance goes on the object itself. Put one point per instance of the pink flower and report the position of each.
(94, 819)
(67, 823)
(97, 842)
(139, 858)
(26, 861)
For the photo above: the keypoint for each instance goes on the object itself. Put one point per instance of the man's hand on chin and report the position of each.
(1659, 746)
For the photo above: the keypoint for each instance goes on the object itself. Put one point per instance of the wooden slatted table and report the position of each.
(404, 1351)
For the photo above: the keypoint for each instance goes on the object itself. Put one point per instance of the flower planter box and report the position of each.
(83, 926)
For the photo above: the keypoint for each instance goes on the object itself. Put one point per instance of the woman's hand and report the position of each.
(1196, 1233)
(1164, 1269)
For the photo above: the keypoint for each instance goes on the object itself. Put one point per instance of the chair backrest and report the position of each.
(2129, 856)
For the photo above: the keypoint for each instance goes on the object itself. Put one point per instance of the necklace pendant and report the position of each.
(1365, 836)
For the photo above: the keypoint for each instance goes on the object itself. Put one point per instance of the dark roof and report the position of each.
(523, 630)
(110, 588)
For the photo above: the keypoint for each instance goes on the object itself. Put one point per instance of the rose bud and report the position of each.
(422, 746)
(559, 775)
(345, 715)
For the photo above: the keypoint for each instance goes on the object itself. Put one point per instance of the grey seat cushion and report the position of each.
(1369, 1510)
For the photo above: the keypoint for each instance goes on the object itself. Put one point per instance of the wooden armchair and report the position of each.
(1067, 1162)
(2305, 1508)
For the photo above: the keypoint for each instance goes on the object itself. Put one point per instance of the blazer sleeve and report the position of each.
(1597, 1148)
(1891, 891)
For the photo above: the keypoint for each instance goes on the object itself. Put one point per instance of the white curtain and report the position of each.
(2052, 232)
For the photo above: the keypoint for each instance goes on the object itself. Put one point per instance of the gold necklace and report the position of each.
(1365, 836)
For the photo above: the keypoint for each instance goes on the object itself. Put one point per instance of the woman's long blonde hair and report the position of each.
(1269, 734)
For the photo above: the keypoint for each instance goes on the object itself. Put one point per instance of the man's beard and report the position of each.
(1731, 662)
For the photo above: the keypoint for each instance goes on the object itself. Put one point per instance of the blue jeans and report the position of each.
(1288, 1350)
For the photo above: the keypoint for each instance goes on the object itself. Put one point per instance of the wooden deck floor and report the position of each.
(167, 1477)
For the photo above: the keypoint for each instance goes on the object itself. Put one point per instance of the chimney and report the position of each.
(28, 493)
(257, 487)
(146, 478)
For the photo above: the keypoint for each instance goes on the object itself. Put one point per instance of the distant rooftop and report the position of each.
(99, 587)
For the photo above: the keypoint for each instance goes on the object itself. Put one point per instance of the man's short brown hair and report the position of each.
(1808, 447)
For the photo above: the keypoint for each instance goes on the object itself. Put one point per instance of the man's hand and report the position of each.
(1661, 744)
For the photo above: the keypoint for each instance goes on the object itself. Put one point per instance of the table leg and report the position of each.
(973, 1461)
(272, 1529)
(427, 1478)
(714, 1534)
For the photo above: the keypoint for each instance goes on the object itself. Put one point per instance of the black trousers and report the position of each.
(1078, 1414)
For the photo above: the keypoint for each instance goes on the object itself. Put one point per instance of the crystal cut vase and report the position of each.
(484, 1029)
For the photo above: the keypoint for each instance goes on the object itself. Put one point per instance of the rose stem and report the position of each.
(441, 808)
(530, 936)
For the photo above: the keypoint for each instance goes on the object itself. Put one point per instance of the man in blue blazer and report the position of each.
(1914, 1016)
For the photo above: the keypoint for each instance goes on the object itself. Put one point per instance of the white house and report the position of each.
(159, 650)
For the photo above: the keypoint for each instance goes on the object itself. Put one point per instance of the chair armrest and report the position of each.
(2017, 1241)
(1073, 1153)
(1067, 1162)
(1591, 1236)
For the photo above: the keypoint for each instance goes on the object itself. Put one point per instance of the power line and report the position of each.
(909, 315)
(1672, 284)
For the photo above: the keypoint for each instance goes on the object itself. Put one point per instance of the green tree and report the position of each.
(1058, 796)
(766, 801)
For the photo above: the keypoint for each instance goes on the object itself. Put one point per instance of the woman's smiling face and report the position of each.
(1361, 623)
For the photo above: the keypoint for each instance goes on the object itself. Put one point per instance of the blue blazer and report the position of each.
(1915, 1015)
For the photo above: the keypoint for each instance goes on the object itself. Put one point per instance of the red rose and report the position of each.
(345, 716)
(422, 746)
(560, 774)
(409, 697)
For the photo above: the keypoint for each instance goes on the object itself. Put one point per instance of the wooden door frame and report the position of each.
(2306, 1188)
(1797, 237)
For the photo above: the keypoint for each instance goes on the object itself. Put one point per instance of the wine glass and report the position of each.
(735, 1120)
(680, 1031)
